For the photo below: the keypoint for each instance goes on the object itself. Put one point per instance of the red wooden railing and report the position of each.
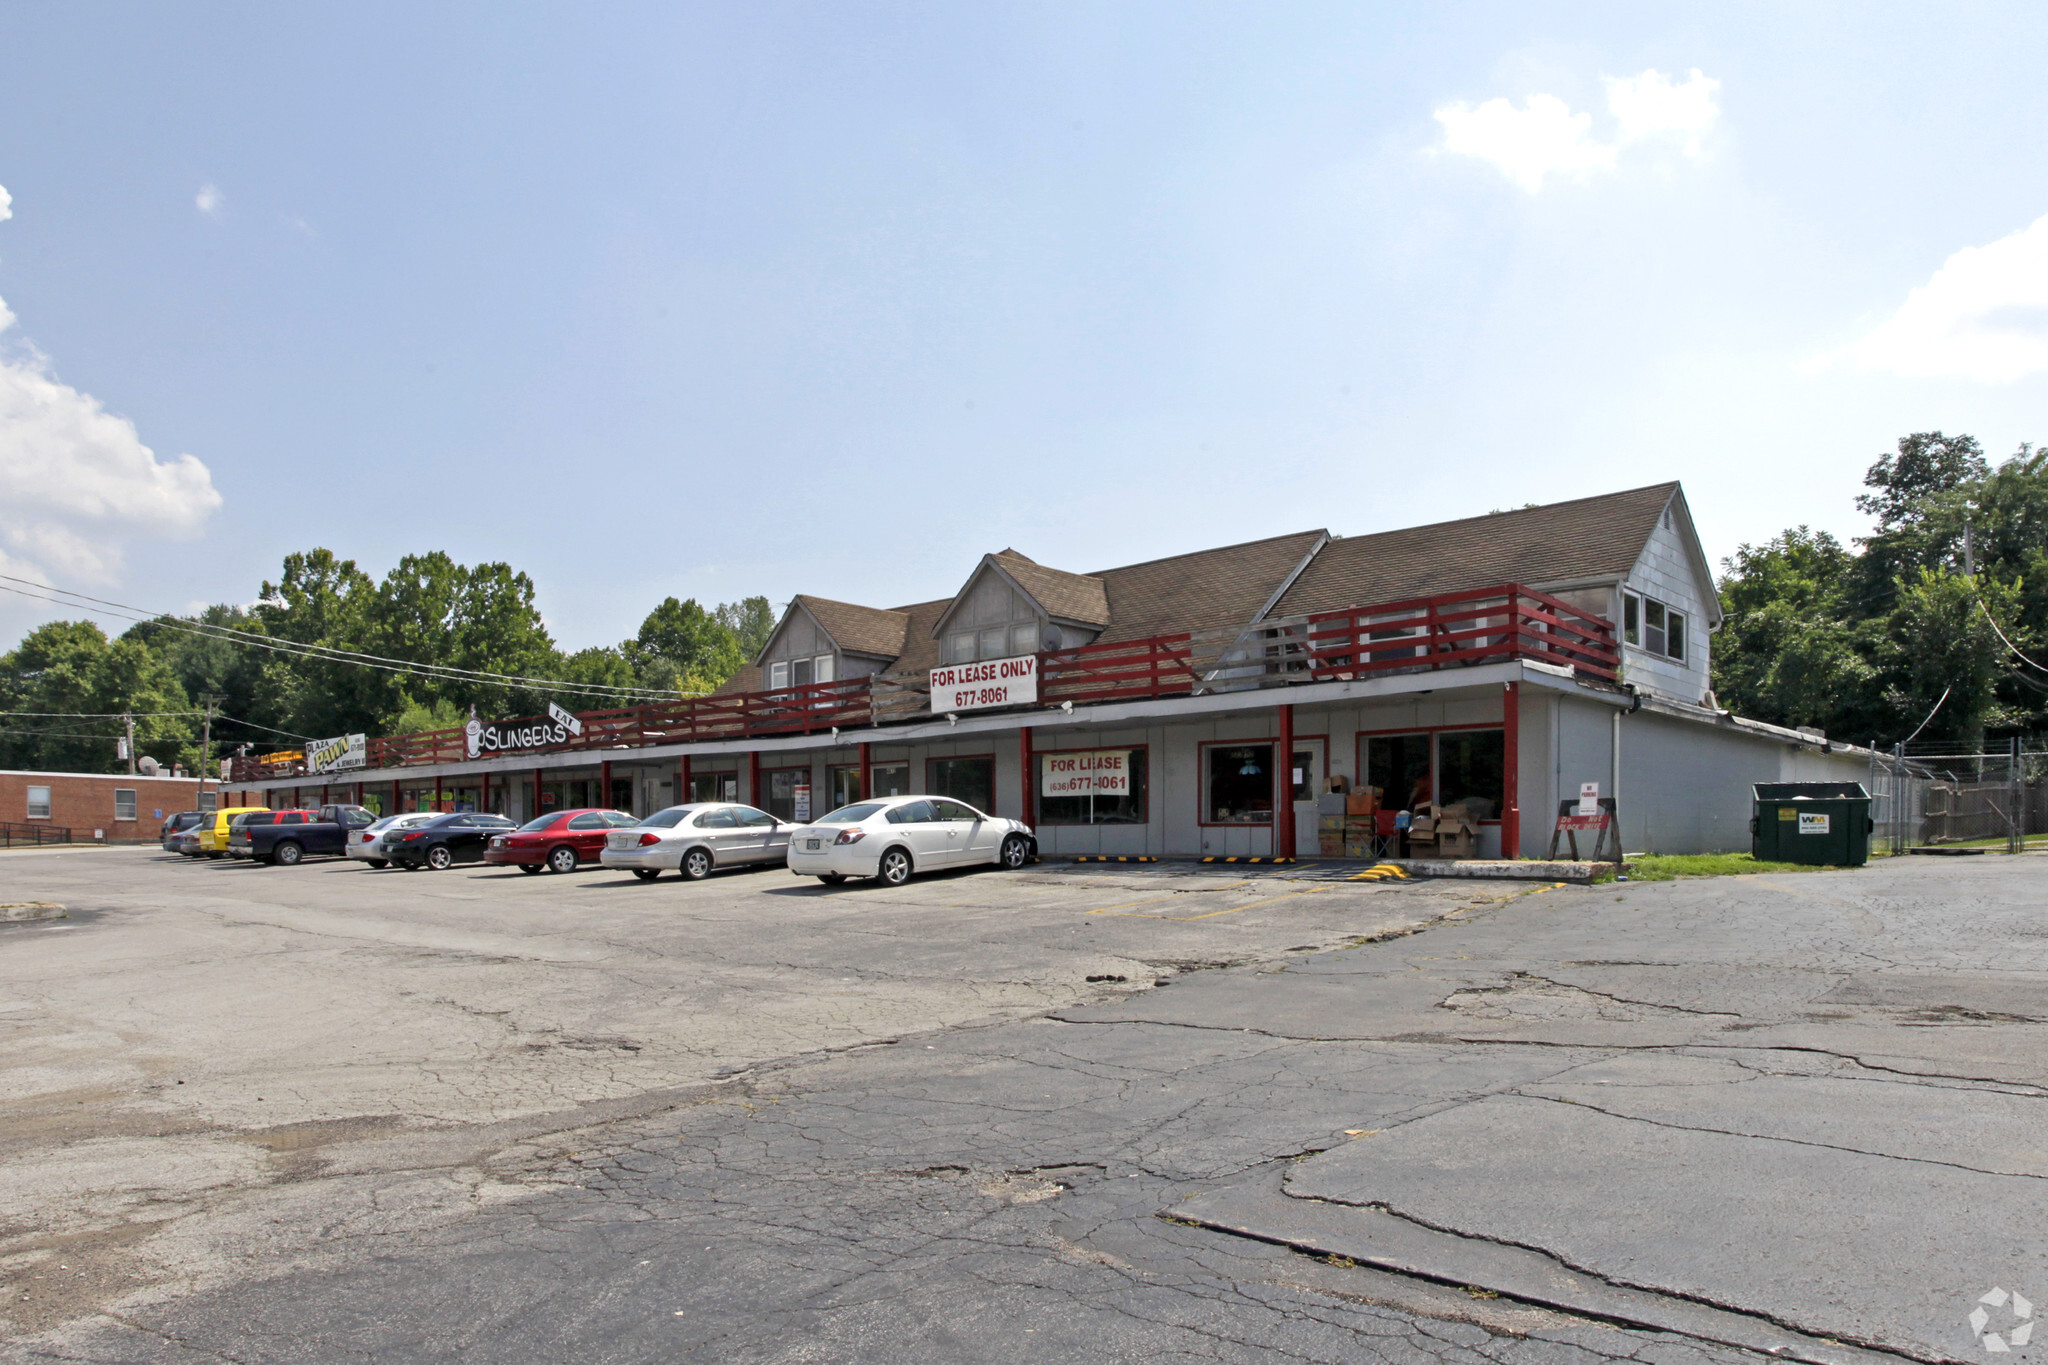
(1452, 630)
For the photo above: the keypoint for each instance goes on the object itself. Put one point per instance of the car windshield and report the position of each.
(851, 815)
(542, 821)
(668, 819)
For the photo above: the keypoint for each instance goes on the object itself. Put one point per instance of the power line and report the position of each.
(323, 653)
(1930, 716)
(2001, 637)
(101, 715)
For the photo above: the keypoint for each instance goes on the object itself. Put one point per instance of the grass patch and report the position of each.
(1666, 867)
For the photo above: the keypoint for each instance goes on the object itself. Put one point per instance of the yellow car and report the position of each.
(213, 830)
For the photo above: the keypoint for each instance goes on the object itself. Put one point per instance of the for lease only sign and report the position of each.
(992, 682)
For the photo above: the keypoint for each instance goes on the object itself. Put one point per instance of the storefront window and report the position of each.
(1471, 768)
(714, 787)
(884, 779)
(781, 785)
(1240, 782)
(972, 780)
(1097, 808)
(1399, 766)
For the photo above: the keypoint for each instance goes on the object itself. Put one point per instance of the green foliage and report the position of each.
(1666, 867)
(71, 666)
(428, 610)
(1864, 643)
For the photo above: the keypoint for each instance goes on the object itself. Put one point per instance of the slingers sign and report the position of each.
(992, 682)
(1102, 772)
(505, 737)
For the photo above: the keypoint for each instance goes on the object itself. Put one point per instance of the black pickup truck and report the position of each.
(326, 834)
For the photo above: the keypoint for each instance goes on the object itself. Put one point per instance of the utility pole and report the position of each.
(209, 701)
(128, 720)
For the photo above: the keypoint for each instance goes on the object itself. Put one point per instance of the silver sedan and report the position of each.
(697, 838)
(368, 843)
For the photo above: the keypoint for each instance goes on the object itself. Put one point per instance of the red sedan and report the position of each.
(560, 841)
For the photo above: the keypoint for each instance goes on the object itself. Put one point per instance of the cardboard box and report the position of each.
(1462, 844)
(1330, 845)
(1329, 822)
(1330, 803)
(1360, 803)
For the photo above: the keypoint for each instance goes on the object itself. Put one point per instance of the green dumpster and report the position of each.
(1823, 823)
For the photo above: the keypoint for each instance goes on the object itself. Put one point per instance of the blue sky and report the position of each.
(721, 300)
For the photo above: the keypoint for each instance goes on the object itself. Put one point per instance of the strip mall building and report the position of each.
(1196, 705)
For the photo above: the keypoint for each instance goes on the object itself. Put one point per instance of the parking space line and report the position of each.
(1154, 900)
(1211, 914)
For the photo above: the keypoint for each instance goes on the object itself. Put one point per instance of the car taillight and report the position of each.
(408, 838)
(647, 839)
(850, 836)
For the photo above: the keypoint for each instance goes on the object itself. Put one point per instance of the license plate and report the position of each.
(812, 845)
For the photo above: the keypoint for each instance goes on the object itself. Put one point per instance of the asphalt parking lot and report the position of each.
(1072, 1114)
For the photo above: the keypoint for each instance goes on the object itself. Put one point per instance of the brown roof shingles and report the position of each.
(857, 629)
(1584, 539)
(1065, 596)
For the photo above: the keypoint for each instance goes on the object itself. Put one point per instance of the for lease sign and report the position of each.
(1097, 772)
(992, 682)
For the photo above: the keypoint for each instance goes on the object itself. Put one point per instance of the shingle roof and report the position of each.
(1587, 538)
(1203, 590)
(857, 629)
(1065, 596)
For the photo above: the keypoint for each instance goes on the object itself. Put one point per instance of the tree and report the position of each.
(70, 670)
(683, 648)
(1789, 651)
(751, 620)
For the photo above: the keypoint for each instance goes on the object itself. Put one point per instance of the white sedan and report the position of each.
(899, 835)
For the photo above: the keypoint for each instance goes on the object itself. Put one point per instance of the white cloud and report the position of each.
(6, 204)
(1545, 138)
(1542, 138)
(209, 200)
(76, 481)
(1652, 105)
(1983, 315)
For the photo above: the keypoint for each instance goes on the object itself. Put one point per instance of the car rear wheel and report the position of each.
(562, 859)
(647, 874)
(831, 878)
(529, 867)
(896, 867)
(288, 854)
(696, 865)
(379, 863)
(1016, 852)
(440, 858)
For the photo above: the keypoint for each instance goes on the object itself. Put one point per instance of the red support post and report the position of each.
(396, 797)
(359, 793)
(753, 777)
(604, 783)
(683, 780)
(1027, 762)
(1283, 787)
(1511, 736)
(537, 812)
(867, 772)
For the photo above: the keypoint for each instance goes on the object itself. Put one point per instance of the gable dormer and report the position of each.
(1013, 605)
(819, 640)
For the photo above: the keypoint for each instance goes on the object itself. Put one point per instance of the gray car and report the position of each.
(696, 839)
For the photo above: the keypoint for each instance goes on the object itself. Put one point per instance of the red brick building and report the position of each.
(110, 806)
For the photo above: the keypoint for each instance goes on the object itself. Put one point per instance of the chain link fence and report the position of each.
(1949, 800)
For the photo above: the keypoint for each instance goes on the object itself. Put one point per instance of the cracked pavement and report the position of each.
(1149, 1114)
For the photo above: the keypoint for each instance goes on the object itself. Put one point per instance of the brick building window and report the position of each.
(124, 803)
(38, 803)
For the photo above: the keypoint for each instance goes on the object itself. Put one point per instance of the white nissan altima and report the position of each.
(896, 836)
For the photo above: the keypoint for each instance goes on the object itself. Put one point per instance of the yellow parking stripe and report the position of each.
(1112, 858)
